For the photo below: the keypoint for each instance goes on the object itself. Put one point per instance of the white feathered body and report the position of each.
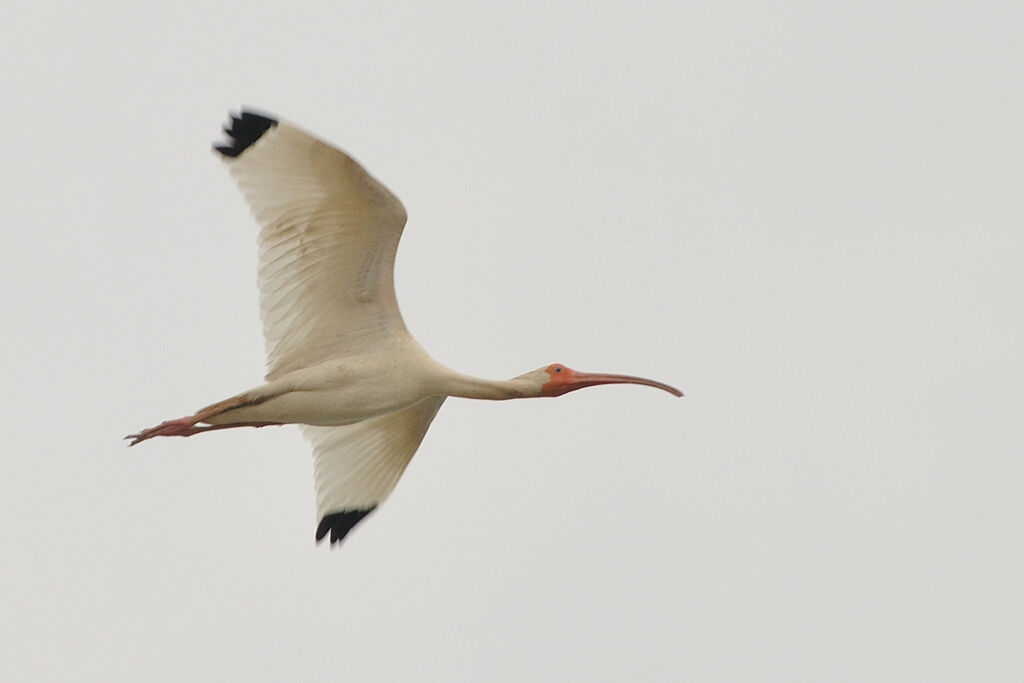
(340, 361)
(347, 390)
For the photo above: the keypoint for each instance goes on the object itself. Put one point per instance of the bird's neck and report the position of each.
(467, 386)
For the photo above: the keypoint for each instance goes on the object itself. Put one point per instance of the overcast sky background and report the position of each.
(809, 218)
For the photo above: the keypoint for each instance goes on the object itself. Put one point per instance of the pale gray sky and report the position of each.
(809, 218)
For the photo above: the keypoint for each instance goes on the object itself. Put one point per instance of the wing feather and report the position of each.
(328, 236)
(357, 466)
(327, 243)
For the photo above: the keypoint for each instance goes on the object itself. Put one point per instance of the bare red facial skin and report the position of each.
(563, 380)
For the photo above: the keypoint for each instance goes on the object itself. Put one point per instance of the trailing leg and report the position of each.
(187, 426)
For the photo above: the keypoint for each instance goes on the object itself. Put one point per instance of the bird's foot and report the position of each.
(183, 426)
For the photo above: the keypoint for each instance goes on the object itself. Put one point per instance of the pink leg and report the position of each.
(186, 426)
(183, 426)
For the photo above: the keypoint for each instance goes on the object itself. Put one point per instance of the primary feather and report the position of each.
(328, 236)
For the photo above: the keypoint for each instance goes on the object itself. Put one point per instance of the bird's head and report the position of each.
(557, 379)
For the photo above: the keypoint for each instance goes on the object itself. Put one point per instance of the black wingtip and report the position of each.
(340, 523)
(243, 131)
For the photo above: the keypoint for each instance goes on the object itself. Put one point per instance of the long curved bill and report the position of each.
(579, 380)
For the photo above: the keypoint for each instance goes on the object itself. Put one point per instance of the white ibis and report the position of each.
(339, 359)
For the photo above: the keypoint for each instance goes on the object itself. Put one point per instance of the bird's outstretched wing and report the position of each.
(329, 232)
(357, 466)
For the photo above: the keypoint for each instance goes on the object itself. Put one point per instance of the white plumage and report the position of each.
(329, 233)
(339, 358)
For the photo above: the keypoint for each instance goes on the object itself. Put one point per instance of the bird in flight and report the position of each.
(340, 361)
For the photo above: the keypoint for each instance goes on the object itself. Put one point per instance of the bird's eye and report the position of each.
(558, 368)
